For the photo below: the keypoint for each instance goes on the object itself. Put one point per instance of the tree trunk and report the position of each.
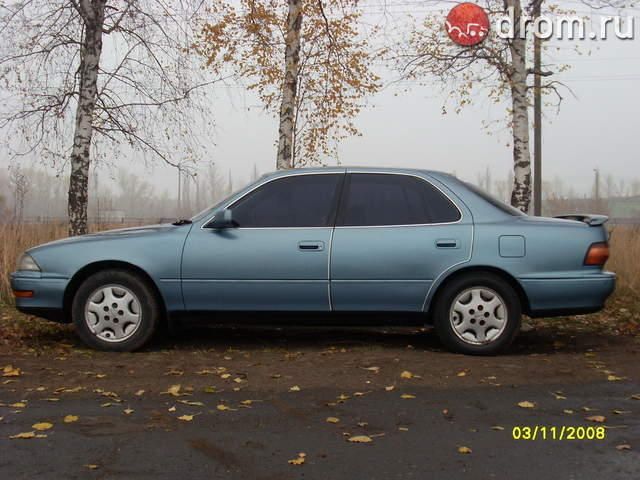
(290, 85)
(521, 193)
(92, 12)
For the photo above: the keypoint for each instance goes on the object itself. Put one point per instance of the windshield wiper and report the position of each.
(182, 221)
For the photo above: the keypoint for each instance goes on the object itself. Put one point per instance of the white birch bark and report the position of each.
(92, 13)
(521, 192)
(284, 159)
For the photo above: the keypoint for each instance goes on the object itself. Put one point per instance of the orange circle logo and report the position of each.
(467, 24)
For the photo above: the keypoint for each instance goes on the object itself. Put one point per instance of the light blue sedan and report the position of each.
(422, 244)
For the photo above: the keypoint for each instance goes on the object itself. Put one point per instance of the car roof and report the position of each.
(354, 169)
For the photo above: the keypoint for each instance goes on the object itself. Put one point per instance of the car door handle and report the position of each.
(311, 246)
(447, 243)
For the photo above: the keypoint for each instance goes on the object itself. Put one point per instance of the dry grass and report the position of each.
(625, 261)
(625, 256)
(16, 238)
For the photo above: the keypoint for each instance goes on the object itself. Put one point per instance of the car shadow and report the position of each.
(537, 340)
(546, 337)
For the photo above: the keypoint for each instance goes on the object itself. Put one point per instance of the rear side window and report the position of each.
(296, 201)
(384, 199)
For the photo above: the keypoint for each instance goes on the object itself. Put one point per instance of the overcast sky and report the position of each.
(596, 129)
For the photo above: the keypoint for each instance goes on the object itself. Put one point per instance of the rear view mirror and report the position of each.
(223, 219)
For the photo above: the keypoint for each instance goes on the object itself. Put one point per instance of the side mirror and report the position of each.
(223, 219)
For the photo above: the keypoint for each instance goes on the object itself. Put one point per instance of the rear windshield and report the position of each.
(494, 201)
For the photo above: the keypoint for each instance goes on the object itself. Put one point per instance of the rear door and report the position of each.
(395, 234)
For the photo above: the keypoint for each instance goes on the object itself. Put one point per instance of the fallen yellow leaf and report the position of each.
(128, 411)
(295, 388)
(70, 419)
(497, 427)
(406, 374)
(372, 369)
(299, 460)
(464, 450)
(18, 405)
(360, 439)
(568, 411)
(223, 408)
(191, 403)
(463, 373)
(389, 388)
(174, 390)
(333, 419)
(596, 418)
(10, 371)
(41, 426)
(23, 435)
(139, 393)
(614, 378)
(407, 396)
(91, 466)
(526, 404)
(185, 418)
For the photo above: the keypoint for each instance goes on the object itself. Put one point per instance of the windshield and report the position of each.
(494, 201)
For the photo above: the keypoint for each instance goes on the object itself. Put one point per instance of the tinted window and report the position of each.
(378, 199)
(298, 201)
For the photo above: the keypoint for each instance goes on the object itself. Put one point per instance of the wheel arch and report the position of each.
(99, 266)
(506, 276)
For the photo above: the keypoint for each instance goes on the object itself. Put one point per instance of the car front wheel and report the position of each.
(115, 310)
(478, 313)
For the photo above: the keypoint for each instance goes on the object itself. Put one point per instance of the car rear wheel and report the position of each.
(478, 314)
(115, 310)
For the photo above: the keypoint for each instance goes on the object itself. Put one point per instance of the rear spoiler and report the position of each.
(589, 219)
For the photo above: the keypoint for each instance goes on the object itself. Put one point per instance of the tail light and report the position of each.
(597, 255)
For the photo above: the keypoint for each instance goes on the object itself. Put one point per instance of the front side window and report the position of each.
(296, 201)
(386, 199)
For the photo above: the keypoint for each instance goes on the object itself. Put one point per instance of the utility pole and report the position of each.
(596, 189)
(537, 116)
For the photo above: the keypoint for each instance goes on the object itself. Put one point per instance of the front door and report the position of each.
(394, 235)
(276, 259)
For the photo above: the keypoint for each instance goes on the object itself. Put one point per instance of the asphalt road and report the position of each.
(453, 401)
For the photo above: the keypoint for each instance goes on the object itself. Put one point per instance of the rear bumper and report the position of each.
(48, 295)
(568, 295)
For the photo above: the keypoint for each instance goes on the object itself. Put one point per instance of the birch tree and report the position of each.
(308, 61)
(89, 79)
(498, 68)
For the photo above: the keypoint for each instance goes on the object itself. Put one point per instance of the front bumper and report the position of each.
(48, 294)
(568, 295)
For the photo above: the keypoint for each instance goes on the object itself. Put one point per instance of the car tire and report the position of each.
(478, 313)
(115, 310)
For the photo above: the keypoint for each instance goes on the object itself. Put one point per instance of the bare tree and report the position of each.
(89, 79)
(499, 67)
(20, 184)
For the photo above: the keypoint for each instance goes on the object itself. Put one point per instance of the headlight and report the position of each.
(27, 263)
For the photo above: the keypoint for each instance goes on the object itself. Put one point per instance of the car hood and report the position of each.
(118, 233)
